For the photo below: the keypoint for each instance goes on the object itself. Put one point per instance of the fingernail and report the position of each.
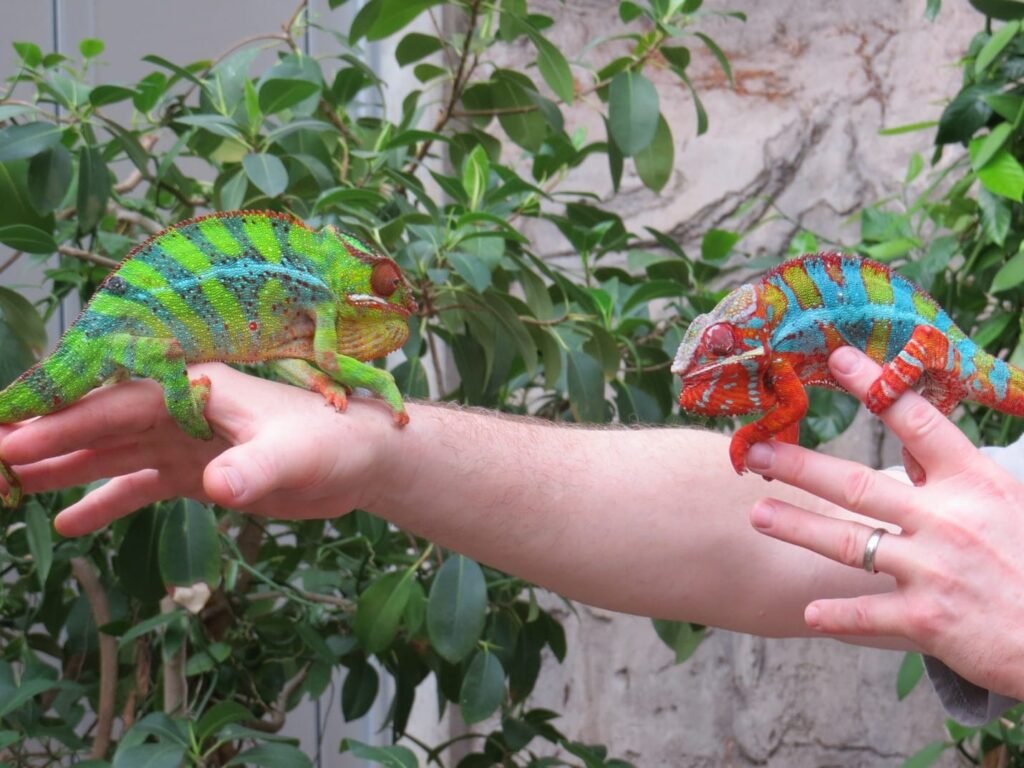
(234, 480)
(812, 615)
(845, 360)
(760, 457)
(762, 515)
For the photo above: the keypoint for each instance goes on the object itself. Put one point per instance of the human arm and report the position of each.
(956, 561)
(649, 521)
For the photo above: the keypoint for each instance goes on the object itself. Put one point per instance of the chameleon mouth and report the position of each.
(704, 371)
(366, 301)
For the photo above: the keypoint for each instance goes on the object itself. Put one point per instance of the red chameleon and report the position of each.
(764, 342)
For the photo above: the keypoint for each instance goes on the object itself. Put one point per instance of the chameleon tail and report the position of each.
(44, 388)
(997, 384)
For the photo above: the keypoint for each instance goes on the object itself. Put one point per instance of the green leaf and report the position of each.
(676, 55)
(483, 688)
(18, 313)
(931, 9)
(995, 216)
(457, 608)
(965, 114)
(930, 754)
(215, 124)
(102, 95)
(892, 249)
(585, 379)
(29, 53)
(518, 113)
(415, 46)
(273, 755)
(633, 112)
(21, 141)
(396, 14)
(220, 714)
(380, 610)
(149, 625)
(162, 755)
(90, 47)
(994, 47)
(476, 171)
(40, 541)
(28, 690)
(393, 757)
(655, 162)
(1003, 175)
(93, 187)
(278, 94)
(719, 55)
(911, 670)
(717, 244)
(138, 557)
(681, 636)
(49, 177)
(22, 237)
(359, 690)
(553, 66)
(189, 545)
(1010, 275)
(266, 172)
(989, 145)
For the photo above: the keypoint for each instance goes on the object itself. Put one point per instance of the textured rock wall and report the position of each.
(814, 84)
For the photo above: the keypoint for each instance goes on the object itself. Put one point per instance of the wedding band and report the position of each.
(872, 548)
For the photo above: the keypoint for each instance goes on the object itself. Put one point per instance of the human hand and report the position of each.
(956, 558)
(277, 450)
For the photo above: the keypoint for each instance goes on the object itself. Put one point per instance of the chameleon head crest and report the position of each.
(720, 354)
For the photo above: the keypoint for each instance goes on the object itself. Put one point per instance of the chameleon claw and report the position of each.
(401, 418)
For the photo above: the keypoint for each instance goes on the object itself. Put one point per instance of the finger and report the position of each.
(883, 614)
(845, 483)
(936, 443)
(250, 471)
(113, 500)
(844, 541)
(128, 408)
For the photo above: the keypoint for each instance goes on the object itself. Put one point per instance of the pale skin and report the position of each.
(646, 521)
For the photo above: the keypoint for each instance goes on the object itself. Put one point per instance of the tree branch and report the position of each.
(92, 258)
(89, 582)
(280, 708)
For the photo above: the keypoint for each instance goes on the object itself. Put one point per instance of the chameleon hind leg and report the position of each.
(922, 359)
(163, 360)
(302, 374)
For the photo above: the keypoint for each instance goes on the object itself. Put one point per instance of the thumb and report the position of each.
(248, 472)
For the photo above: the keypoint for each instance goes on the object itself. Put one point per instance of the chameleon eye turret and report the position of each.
(242, 287)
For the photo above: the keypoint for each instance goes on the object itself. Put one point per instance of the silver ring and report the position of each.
(872, 548)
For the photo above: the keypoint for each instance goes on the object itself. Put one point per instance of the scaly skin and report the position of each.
(764, 342)
(242, 287)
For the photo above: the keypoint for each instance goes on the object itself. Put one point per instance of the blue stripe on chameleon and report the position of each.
(756, 323)
(853, 287)
(829, 290)
(792, 304)
(999, 377)
(967, 351)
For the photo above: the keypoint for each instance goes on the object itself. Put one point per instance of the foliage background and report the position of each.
(570, 339)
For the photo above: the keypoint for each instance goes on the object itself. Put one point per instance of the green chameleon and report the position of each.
(239, 287)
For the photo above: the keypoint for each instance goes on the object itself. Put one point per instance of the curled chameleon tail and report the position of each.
(237, 287)
(756, 351)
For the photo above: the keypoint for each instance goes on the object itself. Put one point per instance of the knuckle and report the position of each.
(856, 488)
(922, 419)
(850, 547)
(861, 616)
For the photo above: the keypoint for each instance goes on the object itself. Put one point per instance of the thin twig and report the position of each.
(14, 257)
(313, 597)
(175, 683)
(136, 218)
(280, 708)
(92, 258)
(89, 581)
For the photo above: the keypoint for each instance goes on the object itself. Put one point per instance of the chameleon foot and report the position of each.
(12, 498)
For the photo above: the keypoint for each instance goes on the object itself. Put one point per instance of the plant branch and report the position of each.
(89, 581)
(280, 708)
(175, 683)
(92, 258)
(14, 257)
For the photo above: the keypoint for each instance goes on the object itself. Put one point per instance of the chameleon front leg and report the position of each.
(350, 372)
(163, 360)
(781, 421)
